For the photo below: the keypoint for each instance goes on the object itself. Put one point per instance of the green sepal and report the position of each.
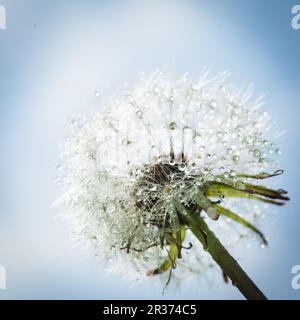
(226, 212)
(215, 189)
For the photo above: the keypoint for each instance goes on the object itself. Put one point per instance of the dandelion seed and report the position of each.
(146, 169)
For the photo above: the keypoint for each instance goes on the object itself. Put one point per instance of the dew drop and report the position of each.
(182, 167)
(220, 134)
(232, 173)
(126, 142)
(213, 103)
(263, 161)
(212, 213)
(249, 140)
(239, 129)
(229, 151)
(172, 125)
(153, 188)
(256, 153)
(221, 169)
(172, 162)
(236, 158)
(111, 208)
(74, 123)
(205, 169)
(278, 172)
(182, 185)
(198, 183)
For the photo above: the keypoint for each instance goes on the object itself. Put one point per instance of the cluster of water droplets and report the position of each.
(205, 130)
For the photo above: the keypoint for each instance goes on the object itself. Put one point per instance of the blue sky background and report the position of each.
(55, 54)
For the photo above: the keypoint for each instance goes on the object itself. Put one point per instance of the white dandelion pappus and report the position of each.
(167, 143)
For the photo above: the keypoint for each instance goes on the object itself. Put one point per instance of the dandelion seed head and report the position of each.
(165, 138)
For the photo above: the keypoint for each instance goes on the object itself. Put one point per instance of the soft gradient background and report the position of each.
(55, 54)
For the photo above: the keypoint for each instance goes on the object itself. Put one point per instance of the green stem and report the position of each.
(222, 257)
